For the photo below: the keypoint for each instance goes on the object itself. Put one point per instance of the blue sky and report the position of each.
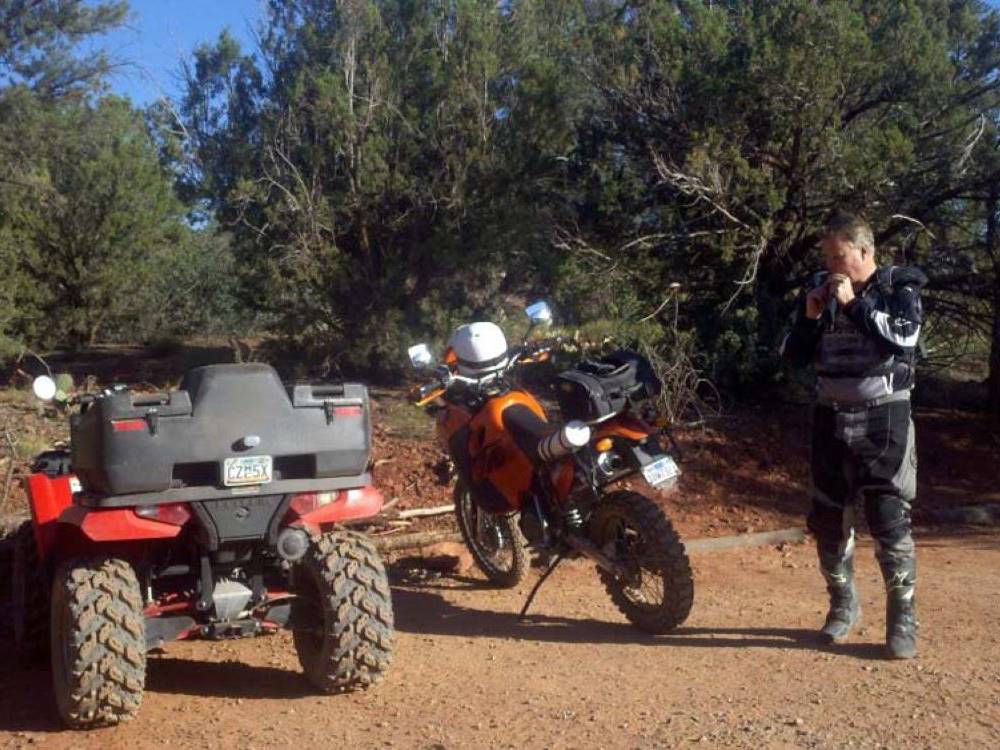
(162, 32)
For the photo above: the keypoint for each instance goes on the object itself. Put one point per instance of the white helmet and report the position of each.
(481, 349)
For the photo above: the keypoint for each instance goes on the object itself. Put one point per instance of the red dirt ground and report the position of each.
(744, 671)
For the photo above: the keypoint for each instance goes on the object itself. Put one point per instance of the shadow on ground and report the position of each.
(27, 703)
(423, 610)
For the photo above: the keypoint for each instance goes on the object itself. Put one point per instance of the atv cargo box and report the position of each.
(229, 429)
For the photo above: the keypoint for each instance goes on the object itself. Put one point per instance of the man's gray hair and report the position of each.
(850, 228)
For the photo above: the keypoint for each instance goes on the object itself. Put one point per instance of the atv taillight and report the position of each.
(176, 514)
(348, 411)
(307, 502)
(128, 425)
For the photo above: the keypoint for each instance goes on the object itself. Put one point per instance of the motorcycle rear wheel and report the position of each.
(657, 592)
(494, 540)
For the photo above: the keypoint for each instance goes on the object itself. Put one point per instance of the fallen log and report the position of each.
(713, 544)
(987, 514)
(710, 544)
(411, 541)
(439, 510)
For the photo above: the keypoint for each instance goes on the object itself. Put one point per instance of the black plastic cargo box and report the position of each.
(229, 428)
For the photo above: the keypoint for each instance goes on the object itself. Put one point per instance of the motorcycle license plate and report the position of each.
(662, 470)
(245, 470)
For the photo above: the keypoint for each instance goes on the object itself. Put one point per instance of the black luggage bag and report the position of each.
(598, 389)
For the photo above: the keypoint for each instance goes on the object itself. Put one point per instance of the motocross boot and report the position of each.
(845, 608)
(900, 573)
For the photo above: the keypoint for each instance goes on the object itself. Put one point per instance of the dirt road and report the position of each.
(743, 672)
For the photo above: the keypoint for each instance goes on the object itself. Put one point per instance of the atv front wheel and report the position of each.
(29, 599)
(657, 590)
(342, 616)
(98, 643)
(494, 540)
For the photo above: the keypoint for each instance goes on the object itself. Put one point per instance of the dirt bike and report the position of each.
(522, 479)
(215, 511)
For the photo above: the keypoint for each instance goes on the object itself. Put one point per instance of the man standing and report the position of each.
(858, 324)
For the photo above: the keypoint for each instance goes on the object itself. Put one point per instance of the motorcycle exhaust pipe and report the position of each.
(570, 438)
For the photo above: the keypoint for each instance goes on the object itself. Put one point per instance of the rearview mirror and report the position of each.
(44, 388)
(540, 314)
(420, 356)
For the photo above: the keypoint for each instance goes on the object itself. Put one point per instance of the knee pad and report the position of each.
(889, 521)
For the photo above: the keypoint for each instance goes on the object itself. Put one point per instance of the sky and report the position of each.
(162, 32)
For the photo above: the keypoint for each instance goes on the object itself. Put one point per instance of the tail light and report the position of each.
(307, 502)
(128, 425)
(176, 514)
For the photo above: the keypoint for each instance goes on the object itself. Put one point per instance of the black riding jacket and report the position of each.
(865, 352)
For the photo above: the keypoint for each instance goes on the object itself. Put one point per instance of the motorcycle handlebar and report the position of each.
(445, 377)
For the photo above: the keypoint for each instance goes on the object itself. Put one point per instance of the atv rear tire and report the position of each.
(343, 619)
(98, 643)
(29, 599)
(657, 594)
(494, 540)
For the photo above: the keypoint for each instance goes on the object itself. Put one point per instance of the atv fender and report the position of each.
(354, 504)
(48, 498)
(116, 525)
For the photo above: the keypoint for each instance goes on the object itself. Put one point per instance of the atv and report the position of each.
(219, 510)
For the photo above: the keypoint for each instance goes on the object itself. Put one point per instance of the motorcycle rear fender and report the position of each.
(625, 426)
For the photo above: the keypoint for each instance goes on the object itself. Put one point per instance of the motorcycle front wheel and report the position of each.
(493, 539)
(657, 590)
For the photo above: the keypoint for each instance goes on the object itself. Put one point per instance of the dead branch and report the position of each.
(694, 187)
(439, 510)
(9, 479)
(672, 287)
(750, 276)
(417, 539)
(36, 356)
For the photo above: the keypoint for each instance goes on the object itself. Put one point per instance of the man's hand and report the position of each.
(841, 288)
(816, 302)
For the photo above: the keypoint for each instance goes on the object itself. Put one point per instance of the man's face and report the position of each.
(841, 256)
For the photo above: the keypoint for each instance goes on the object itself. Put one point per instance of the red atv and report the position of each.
(214, 511)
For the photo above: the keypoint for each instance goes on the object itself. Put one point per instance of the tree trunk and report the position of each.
(993, 248)
(994, 376)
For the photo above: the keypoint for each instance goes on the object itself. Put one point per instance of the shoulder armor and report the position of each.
(890, 278)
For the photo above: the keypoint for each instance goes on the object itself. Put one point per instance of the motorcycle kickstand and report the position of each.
(538, 585)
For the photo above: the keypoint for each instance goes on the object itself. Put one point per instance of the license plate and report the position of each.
(247, 470)
(660, 471)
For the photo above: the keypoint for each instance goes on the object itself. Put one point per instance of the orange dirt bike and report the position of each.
(523, 479)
